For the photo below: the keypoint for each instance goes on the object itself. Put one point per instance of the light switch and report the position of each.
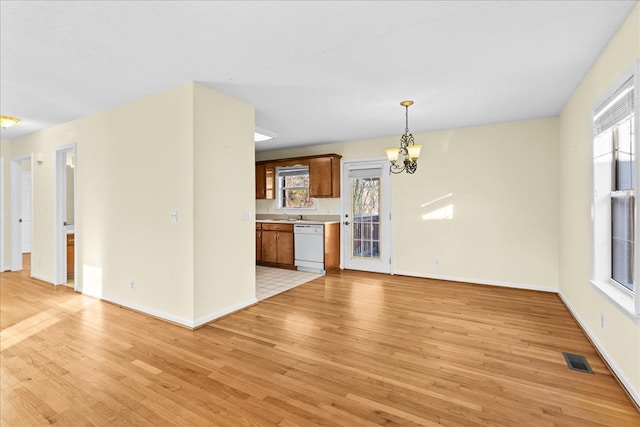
(246, 215)
(173, 217)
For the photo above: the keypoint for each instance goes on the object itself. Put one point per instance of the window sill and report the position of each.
(622, 299)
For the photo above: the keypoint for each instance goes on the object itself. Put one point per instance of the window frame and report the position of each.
(601, 276)
(280, 188)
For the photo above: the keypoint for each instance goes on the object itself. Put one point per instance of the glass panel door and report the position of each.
(366, 219)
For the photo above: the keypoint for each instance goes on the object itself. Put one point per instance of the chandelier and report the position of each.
(405, 158)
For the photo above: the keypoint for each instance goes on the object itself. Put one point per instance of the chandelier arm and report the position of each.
(396, 169)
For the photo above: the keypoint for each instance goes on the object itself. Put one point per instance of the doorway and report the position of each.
(21, 207)
(2, 193)
(65, 216)
(366, 222)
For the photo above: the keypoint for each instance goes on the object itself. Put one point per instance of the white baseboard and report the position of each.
(530, 287)
(634, 394)
(206, 319)
(148, 311)
(43, 278)
(179, 320)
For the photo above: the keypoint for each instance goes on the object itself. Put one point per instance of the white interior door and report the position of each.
(16, 171)
(26, 201)
(366, 222)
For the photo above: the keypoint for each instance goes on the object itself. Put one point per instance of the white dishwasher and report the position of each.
(309, 247)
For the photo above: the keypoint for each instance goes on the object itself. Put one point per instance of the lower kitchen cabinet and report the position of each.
(332, 247)
(71, 238)
(277, 245)
(258, 242)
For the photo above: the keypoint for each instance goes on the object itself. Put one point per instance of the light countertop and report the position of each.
(297, 221)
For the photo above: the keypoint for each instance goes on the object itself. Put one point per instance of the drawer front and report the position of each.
(277, 227)
(258, 226)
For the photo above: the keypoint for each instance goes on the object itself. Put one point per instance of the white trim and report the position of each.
(221, 313)
(530, 287)
(179, 320)
(630, 304)
(618, 296)
(594, 340)
(43, 278)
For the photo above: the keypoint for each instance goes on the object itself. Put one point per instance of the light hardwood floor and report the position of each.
(349, 348)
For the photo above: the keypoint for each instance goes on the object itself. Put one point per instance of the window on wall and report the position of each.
(293, 188)
(615, 181)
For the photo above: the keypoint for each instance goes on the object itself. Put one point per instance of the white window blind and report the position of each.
(619, 106)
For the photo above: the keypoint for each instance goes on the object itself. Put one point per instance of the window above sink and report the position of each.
(292, 186)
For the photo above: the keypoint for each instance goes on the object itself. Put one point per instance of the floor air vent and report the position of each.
(577, 363)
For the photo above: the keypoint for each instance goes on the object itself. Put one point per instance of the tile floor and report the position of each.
(272, 281)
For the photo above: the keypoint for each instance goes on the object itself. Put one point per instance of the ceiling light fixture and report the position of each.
(406, 157)
(260, 134)
(8, 121)
(261, 137)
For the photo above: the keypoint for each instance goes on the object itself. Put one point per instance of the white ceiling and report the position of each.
(317, 72)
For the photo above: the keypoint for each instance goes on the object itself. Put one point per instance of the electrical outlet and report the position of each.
(132, 284)
(436, 261)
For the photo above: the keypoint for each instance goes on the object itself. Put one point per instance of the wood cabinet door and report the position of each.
(70, 255)
(270, 181)
(331, 247)
(285, 248)
(258, 245)
(261, 183)
(269, 246)
(320, 177)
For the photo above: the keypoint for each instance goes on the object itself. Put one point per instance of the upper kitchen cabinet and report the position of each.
(261, 182)
(324, 175)
(265, 180)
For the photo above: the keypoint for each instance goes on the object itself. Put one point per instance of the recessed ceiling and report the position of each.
(316, 72)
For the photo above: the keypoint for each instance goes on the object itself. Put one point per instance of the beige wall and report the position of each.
(503, 185)
(135, 164)
(619, 340)
(224, 243)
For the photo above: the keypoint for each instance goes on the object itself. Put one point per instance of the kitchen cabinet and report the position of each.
(277, 245)
(258, 242)
(270, 180)
(324, 175)
(261, 190)
(332, 247)
(71, 239)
